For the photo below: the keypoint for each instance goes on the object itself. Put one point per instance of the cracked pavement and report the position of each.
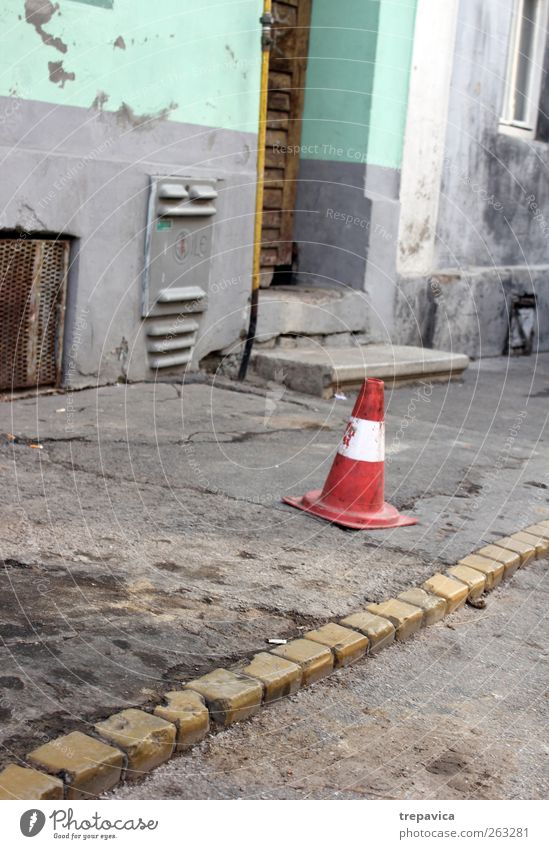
(145, 542)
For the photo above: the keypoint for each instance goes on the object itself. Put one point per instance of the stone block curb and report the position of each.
(537, 530)
(315, 660)
(527, 552)
(453, 592)
(188, 712)
(230, 696)
(88, 766)
(278, 676)
(434, 607)
(405, 618)
(510, 559)
(491, 569)
(345, 643)
(476, 581)
(146, 739)
(380, 631)
(132, 742)
(18, 782)
(540, 543)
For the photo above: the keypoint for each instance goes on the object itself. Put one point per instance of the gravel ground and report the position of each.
(458, 712)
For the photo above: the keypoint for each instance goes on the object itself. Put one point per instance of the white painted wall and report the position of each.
(425, 134)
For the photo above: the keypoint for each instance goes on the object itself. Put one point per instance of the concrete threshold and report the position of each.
(325, 371)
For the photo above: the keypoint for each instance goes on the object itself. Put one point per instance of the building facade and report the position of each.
(98, 98)
(405, 195)
(473, 232)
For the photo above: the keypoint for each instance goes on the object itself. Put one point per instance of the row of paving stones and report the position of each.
(133, 742)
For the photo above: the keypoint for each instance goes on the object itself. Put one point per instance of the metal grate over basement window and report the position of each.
(33, 274)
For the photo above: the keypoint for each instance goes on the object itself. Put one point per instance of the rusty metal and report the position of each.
(33, 275)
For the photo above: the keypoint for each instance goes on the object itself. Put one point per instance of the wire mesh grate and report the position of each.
(33, 274)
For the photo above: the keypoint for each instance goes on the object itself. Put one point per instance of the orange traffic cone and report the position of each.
(354, 490)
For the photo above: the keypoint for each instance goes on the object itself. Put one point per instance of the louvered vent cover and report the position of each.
(33, 275)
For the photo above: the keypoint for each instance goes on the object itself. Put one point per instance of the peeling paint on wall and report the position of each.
(125, 115)
(58, 75)
(99, 100)
(40, 12)
(208, 64)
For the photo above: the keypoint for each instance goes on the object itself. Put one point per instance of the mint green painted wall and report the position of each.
(190, 60)
(357, 80)
(339, 79)
(391, 81)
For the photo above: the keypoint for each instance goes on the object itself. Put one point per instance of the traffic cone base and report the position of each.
(386, 517)
(352, 495)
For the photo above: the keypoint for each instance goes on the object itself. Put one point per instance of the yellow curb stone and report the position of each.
(230, 696)
(380, 631)
(537, 531)
(447, 588)
(475, 580)
(89, 766)
(540, 543)
(346, 645)
(315, 661)
(434, 607)
(406, 618)
(189, 714)
(279, 677)
(17, 782)
(510, 559)
(147, 740)
(544, 523)
(527, 552)
(491, 569)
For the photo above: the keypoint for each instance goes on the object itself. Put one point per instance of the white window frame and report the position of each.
(509, 124)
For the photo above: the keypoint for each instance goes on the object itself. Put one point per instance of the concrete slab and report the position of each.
(324, 371)
(307, 311)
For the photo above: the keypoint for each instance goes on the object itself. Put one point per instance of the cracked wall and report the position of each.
(491, 238)
(94, 98)
(182, 63)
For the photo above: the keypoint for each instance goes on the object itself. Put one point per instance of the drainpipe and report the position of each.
(266, 21)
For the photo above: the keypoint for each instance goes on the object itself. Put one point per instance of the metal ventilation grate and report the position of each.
(33, 275)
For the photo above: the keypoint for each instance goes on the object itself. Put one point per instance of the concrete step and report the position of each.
(324, 371)
(307, 311)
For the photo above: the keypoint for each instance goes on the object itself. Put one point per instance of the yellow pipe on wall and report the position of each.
(261, 138)
(266, 22)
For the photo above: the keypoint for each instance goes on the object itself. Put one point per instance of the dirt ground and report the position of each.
(459, 712)
(143, 538)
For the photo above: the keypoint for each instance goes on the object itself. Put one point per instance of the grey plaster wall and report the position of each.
(346, 227)
(84, 173)
(493, 220)
(331, 223)
(383, 191)
(486, 169)
(542, 133)
(468, 311)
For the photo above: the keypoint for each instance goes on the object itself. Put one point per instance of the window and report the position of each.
(525, 66)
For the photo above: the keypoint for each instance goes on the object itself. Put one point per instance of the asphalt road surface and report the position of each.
(144, 542)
